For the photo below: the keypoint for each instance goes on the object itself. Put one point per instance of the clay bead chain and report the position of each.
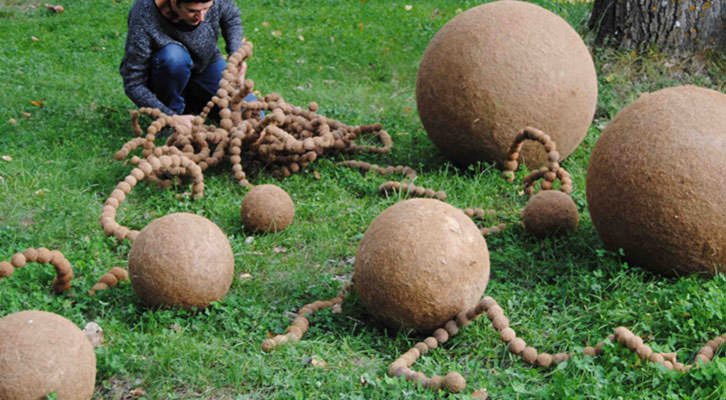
(529, 354)
(64, 272)
(285, 141)
(109, 279)
(148, 167)
(529, 133)
(301, 323)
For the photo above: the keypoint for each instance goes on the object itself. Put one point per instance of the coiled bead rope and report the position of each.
(64, 272)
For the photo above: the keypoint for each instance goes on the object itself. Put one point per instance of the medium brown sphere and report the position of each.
(656, 183)
(498, 68)
(267, 208)
(421, 262)
(42, 353)
(181, 260)
(549, 213)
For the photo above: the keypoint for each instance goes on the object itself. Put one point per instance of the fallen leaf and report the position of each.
(458, 11)
(27, 114)
(277, 33)
(94, 333)
(249, 239)
(480, 394)
(316, 175)
(33, 38)
(315, 361)
(36, 103)
(40, 192)
(13, 121)
(408, 7)
(336, 309)
(265, 24)
(435, 13)
(279, 250)
(360, 26)
(245, 276)
(6, 158)
(301, 37)
(138, 392)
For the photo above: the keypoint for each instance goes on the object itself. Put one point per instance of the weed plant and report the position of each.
(358, 60)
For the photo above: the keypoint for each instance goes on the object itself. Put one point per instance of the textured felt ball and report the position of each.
(549, 213)
(420, 262)
(43, 353)
(656, 182)
(181, 260)
(267, 208)
(498, 68)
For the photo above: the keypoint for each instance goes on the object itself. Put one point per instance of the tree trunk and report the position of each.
(675, 26)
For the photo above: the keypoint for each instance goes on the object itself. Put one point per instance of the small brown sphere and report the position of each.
(549, 213)
(42, 353)
(419, 264)
(267, 208)
(498, 68)
(656, 184)
(181, 260)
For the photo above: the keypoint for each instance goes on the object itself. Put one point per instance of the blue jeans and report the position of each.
(174, 83)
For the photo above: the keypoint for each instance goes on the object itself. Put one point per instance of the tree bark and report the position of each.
(675, 26)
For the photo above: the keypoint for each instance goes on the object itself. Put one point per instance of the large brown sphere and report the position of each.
(42, 353)
(550, 213)
(181, 260)
(419, 264)
(498, 68)
(267, 208)
(656, 183)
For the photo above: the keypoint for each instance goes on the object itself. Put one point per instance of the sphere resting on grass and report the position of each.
(656, 182)
(498, 68)
(43, 353)
(267, 208)
(549, 213)
(421, 262)
(182, 260)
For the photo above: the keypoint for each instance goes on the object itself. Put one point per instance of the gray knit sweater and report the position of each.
(149, 31)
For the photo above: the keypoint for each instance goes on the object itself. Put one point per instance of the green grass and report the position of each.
(358, 60)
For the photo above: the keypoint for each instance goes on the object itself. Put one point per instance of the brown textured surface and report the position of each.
(497, 68)
(420, 263)
(656, 183)
(42, 353)
(181, 260)
(550, 212)
(267, 208)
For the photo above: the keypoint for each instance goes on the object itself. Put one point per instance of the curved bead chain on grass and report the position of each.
(453, 381)
(109, 279)
(301, 323)
(544, 172)
(530, 133)
(148, 167)
(409, 172)
(64, 272)
(411, 190)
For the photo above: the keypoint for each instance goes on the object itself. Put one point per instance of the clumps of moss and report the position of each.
(64, 272)
(43, 353)
(181, 260)
(109, 279)
(498, 67)
(267, 208)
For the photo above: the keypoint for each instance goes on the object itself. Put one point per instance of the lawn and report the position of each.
(63, 115)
